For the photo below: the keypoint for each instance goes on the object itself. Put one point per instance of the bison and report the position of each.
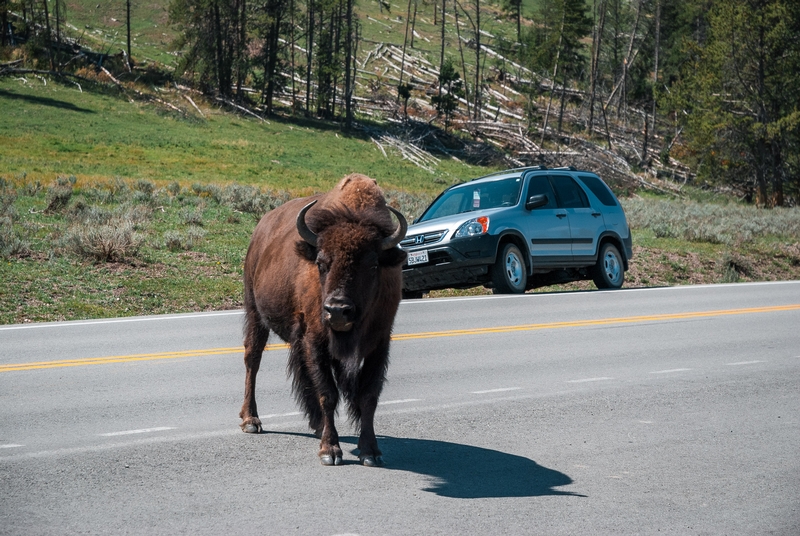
(324, 274)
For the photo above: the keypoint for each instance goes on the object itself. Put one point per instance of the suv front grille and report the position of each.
(422, 239)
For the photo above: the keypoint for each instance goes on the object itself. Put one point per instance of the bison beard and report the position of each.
(324, 273)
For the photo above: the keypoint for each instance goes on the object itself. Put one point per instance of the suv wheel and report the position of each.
(609, 272)
(509, 273)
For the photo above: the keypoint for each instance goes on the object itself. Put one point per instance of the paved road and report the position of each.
(669, 411)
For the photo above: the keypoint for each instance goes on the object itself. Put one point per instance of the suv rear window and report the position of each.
(599, 189)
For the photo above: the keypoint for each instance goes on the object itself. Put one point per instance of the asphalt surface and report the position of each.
(653, 411)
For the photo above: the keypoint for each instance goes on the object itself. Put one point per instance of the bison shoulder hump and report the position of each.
(359, 192)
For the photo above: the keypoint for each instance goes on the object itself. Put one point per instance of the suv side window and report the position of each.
(539, 184)
(599, 189)
(570, 195)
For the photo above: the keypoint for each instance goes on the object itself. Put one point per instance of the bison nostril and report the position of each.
(340, 310)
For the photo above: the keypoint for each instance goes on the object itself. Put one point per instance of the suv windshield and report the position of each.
(470, 197)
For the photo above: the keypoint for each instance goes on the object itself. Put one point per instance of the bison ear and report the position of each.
(306, 250)
(392, 257)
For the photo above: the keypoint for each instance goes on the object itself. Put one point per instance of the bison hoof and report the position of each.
(327, 459)
(371, 461)
(250, 427)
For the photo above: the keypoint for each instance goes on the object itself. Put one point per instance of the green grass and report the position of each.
(101, 25)
(193, 241)
(191, 246)
(56, 129)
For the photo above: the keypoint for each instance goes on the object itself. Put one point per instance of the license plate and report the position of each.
(418, 257)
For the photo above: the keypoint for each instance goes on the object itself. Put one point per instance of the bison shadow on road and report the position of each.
(468, 472)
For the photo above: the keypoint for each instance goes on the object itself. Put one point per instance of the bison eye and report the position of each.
(322, 266)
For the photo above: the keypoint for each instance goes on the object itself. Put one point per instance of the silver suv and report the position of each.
(517, 230)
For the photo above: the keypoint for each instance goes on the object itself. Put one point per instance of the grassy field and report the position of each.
(75, 248)
(50, 129)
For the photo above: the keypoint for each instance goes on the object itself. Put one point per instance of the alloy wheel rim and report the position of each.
(612, 267)
(513, 269)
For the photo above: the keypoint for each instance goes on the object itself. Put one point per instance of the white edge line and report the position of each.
(141, 431)
(670, 370)
(586, 380)
(744, 363)
(404, 302)
(404, 401)
(274, 415)
(119, 320)
(500, 390)
(580, 293)
(11, 446)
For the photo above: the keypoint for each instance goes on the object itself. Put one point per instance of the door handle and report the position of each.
(596, 214)
(561, 215)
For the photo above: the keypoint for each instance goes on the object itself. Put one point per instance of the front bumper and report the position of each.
(461, 263)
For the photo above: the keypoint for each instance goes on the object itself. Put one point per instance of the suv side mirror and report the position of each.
(536, 201)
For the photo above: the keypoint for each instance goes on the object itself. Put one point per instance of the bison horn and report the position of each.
(306, 233)
(402, 226)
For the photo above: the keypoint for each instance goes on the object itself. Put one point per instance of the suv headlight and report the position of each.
(473, 227)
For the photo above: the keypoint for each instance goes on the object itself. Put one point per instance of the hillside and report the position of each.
(54, 128)
(127, 193)
(510, 131)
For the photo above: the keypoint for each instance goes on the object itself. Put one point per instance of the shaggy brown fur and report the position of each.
(334, 303)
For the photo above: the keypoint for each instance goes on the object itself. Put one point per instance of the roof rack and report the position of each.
(566, 168)
(513, 170)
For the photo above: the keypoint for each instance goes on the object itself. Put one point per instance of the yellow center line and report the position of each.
(403, 337)
(129, 358)
(598, 322)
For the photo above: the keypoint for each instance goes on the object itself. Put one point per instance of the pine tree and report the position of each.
(740, 98)
(210, 33)
(450, 85)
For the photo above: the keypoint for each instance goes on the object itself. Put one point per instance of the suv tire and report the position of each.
(509, 273)
(609, 272)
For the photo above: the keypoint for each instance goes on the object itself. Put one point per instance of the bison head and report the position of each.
(351, 252)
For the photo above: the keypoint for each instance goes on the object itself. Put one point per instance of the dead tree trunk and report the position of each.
(596, 42)
(655, 83)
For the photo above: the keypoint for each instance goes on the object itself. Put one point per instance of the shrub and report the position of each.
(194, 236)
(11, 244)
(119, 188)
(192, 217)
(207, 190)
(32, 188)
(80, 212)
(59, 194)
(7, 197)
(729, 224)
(175, 241)
(144, 186)
(105, 242)
(733, 266)
(105, 235)
(410, 205)
(139, 215)
(244, 199)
